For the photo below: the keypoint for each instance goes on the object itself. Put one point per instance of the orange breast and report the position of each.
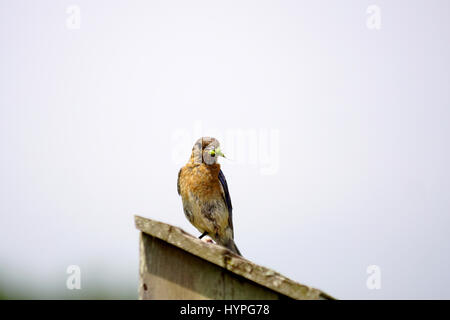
(201, 180)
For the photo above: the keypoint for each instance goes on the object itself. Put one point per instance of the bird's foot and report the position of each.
(209, 240)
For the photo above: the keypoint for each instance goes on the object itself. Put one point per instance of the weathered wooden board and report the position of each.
(177, 265)
(168, 272)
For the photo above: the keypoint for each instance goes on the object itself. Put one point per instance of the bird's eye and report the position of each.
(212, 153)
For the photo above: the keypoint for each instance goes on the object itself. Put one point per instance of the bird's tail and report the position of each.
(232, 246)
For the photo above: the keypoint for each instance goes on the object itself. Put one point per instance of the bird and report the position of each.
(205, 195)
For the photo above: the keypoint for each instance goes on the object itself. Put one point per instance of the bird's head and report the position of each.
(207, 150)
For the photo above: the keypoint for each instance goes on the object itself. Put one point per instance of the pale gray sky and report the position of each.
(338, 136)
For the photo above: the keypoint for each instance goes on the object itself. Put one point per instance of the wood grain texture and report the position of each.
(177, 265)
(171, 273)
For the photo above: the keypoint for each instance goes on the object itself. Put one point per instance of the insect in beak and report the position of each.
(217, 152)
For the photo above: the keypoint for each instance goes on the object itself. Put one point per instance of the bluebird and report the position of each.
(204, 193)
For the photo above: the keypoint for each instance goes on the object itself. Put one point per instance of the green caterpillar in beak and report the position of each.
(217, 152)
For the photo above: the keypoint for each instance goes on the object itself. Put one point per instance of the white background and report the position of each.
(89, 119)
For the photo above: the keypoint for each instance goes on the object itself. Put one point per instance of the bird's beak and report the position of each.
(219, 153)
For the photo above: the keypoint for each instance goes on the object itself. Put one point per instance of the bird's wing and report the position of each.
(227, 198)
(178, 182)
